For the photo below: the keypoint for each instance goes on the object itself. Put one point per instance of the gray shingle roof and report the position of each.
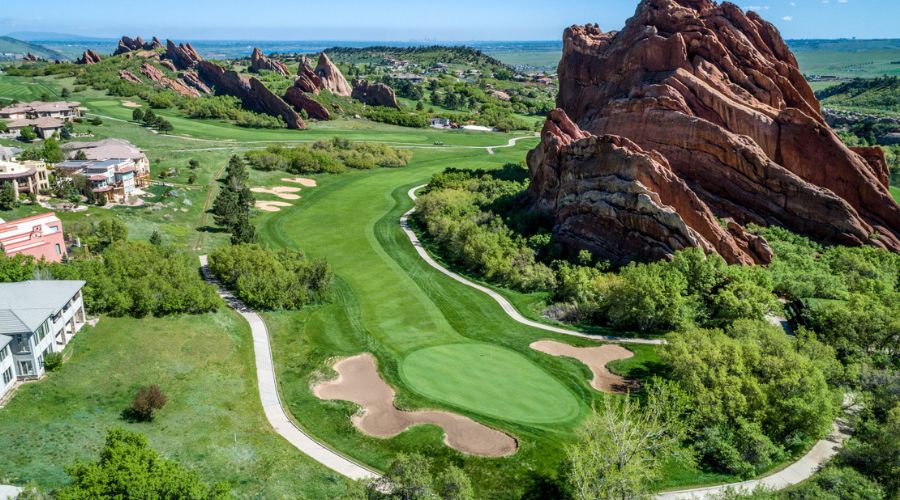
(27, 304)
(5, 340)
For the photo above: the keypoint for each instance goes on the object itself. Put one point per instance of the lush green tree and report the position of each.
(8, 198)
(835, 483)
(65, 93)
(28, 134)
(80, 155)
(242, 230)
(137, 115)
(622, 447)
(454, 484)
(129, 468)
(408, 478)
(156, 238)
(51, 151)
(16, 268)
(109, 231)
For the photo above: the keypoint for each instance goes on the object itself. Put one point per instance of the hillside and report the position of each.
(878, 95)
(424, 56)
(11, 48)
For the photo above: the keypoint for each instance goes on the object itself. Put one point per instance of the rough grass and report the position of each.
(213, 421)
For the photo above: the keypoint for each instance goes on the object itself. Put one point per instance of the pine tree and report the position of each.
(8, 198)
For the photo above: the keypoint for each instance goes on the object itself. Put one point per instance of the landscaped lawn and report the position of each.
(213, 421)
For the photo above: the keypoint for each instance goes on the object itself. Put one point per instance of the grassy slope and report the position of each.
(11, 45)
(213, 421)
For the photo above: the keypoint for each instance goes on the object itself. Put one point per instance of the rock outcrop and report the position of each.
(331, 77)
(307, 79)
(259, 62)
(192, 79)
(715, 98)
(297, 98)
(128, 44)
(89, 57)
(168, 65)
(156, 74)
(374, 94)
(252, 93)
(128, 76)
(183, 56)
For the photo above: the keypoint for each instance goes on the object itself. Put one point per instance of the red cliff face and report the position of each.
(716, 96)
(307, 79)
(183, 56)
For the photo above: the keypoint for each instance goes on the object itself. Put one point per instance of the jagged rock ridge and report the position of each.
(252, 93)
(259, 62)
(374, 94)
(331, 77)
(715, 96)
(89, 57)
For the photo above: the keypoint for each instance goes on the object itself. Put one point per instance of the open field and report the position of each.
(213, 421)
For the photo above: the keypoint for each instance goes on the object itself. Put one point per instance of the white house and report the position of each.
(36, 318)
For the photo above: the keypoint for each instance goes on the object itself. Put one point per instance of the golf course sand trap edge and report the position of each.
(300, 180)
(271, 206)
(283, 192)
(596, 359)
(358, 381)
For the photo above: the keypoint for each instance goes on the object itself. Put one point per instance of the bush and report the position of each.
(332, 156)
(52, 361)
(147, 400)
(269, 280)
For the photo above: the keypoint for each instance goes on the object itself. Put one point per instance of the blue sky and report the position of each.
(402, 20)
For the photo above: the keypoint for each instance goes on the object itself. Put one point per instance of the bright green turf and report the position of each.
(213, 421)
(896, 192)
(518, 390)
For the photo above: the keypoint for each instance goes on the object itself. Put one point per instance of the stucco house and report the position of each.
(113, 149)
(38, 109)
(36, 318)
(40, 236)
(26, 177)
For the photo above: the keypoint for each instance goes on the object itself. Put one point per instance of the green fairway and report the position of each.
(896, 192)
(518, 390)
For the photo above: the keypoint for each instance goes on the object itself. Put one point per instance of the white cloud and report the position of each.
(787, 18)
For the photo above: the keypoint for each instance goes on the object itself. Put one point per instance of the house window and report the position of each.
(26, 368)
(40, 333)
(58, 249)
(4, 353)
(7, 376)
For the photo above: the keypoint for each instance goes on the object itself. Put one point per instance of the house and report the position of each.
(38, 109)
(40, 236)
(440, 123)
(112, 179)
(113, 149)
(45, 127)
(26, 177)
(36, 318)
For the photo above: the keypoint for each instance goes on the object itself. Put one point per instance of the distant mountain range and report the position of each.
(12, 48)
(45, 36)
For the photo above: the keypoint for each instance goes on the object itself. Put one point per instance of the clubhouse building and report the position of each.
(36, 318)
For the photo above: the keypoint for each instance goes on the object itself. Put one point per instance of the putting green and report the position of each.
(489, 380)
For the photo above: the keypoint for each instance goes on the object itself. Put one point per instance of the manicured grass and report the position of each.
(519, 391)
(895, 191)
(213, 421)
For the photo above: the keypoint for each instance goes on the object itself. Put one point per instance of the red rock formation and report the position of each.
(877, 162)
(30, 57)
(183, 56)
(128, 76)
(128, 44)
(718, 95)
(168, 65)
(155, 74)
(307, 79)
(297, 98)
(89, 57)
(332, 78)
(259, 62)
(154, 44)
(192, 79)
(374, 94)
(252, 93)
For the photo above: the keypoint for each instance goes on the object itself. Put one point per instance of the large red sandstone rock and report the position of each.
(374, 94)
(718, 95)
(192, 79)
(252, 93)
(128, 44)
(297, 98)
(156, 74)
(259, 62)
(89, 57)
(307, 79)
(332, 78)
(128, 76)
(168, 65)
(183, 56)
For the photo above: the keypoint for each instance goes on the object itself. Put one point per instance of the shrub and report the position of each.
(147, 400)
(52, 361)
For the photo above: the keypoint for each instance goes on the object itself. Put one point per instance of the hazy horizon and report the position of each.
(392, 21)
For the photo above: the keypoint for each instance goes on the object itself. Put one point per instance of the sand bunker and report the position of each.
(300, 180)
(358, 381)
(283, 192)
(596, 358)
(271, 206)
(130, 104)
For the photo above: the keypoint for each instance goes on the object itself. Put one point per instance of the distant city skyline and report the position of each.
(394, 20)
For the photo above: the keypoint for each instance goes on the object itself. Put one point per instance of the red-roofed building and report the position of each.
(40, 236)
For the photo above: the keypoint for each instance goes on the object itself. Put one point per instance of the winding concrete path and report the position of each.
(508, 308)
(271, 400)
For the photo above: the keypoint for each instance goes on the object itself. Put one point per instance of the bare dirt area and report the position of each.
(271, 206)
(283, 192)
(300, 180)
(358, 381)
(596, 359)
